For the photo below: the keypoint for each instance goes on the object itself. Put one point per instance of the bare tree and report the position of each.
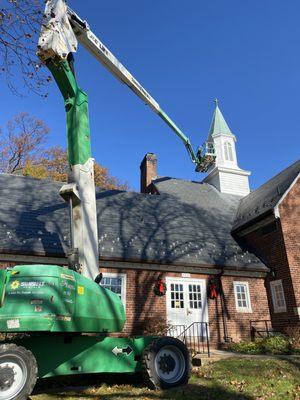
(20, 22)
(21, 142)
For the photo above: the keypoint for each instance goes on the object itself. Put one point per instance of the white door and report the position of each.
(186, 303)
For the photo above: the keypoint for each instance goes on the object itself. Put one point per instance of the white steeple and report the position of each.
(225, 173)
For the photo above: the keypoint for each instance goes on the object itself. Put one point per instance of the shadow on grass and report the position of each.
(129, 387)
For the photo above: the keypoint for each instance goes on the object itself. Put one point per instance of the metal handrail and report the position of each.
(254, 329)
(192, 336)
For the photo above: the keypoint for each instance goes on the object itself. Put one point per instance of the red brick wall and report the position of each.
(143, 307)
(270, 248)
(280, 251)
(289, 211)
(238, 323)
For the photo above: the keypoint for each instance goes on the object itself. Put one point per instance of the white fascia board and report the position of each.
(276, 208)
(216, 135)
(218, 169)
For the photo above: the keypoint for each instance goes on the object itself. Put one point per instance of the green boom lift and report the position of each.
(59, 320)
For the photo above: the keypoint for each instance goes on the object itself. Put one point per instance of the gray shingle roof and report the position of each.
(265, 198)
(33, 217)
(188, 223)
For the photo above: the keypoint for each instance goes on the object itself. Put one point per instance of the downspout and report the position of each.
(223, 309)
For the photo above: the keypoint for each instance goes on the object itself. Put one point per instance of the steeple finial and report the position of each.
(218, 124)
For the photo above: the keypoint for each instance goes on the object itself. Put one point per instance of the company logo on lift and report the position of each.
(15, 285)
(26, 285)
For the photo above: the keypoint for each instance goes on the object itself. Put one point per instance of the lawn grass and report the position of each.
(229, 379)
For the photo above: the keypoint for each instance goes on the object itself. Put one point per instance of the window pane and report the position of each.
(242, 296)
(177, 296)
(230, 151)
(226, 151)
(195, 296)
(114, 284)
(278, 296)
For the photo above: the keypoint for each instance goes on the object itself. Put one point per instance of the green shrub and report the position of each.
(277, 344)
(293, 333)
(245, 347)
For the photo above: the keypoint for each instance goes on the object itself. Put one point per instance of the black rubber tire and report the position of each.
(150, 375)
(30, 364)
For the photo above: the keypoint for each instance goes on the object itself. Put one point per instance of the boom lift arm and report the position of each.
(58, 40)
(55, 306)
(204, 156)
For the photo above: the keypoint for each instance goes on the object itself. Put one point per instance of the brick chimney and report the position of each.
(148, 169)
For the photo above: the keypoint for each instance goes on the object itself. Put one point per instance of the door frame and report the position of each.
(178, 279)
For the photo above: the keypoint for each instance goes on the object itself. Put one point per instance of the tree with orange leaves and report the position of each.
(23, 151)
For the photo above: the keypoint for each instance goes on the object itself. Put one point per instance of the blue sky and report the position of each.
(245, 53)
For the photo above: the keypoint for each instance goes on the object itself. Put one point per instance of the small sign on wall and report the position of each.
(186, 275)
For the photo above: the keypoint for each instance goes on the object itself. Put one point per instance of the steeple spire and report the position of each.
(218, 124)
(225, 174)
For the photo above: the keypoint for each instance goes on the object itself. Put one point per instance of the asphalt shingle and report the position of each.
(188, 223)
(265, 198)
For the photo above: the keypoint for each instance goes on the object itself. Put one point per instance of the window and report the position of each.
(195, 296)
(228, 151)
(116, 283)
(177, 295)
(278, 296)
(242, 298)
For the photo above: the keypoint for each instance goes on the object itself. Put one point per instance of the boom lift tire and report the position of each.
(18, 372)
(166, 363)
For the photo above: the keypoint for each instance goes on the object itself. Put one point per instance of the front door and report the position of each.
(186, 303)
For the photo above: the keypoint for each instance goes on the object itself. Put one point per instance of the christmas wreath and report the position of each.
(160, 288)
(212, 289)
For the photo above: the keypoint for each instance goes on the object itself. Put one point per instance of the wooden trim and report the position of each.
(121, 264)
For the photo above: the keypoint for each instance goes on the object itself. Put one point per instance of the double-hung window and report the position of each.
(242, 296)
(278, 296)
(116, 283)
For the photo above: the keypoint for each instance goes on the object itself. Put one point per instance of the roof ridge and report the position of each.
(265, 198)
(273, 178)
(31, 177)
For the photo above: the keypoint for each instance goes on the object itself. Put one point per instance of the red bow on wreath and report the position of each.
(160, 288)
(212, 289)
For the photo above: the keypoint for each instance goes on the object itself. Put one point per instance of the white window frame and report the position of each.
(228, 151)
(123, 284)
(247, 309)
(273, 284)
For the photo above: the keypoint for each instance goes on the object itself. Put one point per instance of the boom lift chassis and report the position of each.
(58, 321)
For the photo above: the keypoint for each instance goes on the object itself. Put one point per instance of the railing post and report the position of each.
(187, 333)
(207, 339)
(252, 331)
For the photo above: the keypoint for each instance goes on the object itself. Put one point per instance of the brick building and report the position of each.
(191, 235)
(268, 223)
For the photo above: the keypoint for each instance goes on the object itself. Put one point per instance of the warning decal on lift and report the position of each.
(13, 323)
(122, 350)
(80, 289)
